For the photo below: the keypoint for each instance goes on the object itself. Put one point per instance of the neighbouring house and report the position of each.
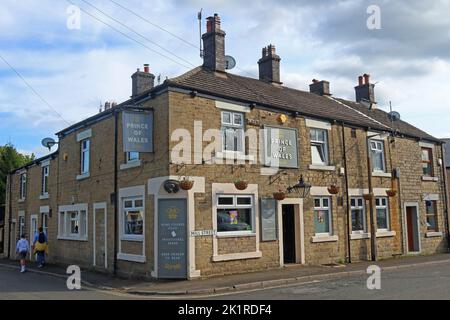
(212, 173)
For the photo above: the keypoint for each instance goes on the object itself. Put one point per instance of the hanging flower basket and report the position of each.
(333, 189)
(241, 184)
(186, 184)
(391, 192)
(368, 196)
(280, 195)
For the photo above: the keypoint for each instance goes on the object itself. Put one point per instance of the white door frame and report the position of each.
(405, 206)
(32, 234)
(299, 218)
(100, 206)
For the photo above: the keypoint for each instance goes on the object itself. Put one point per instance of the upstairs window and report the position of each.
(377, 155)
(431, 213)
(85, 156)
(23, 186)
(45, 174)
(132, 156)
(233, 138)
(427, 162)
(319, 146)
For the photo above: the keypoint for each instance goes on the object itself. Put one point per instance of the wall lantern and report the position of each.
(171, 186)
(301, 187)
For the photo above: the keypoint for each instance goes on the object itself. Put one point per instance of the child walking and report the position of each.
(22, 249)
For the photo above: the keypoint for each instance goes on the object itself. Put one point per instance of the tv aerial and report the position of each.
(48, 143)
(230, 62)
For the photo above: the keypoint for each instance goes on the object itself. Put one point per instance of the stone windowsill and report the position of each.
(132, 238)
(324, 238)
(131, 257)
(321, 167)
(356, 236)
(234, 235)
(234, 156)
(381, 174)
(431, 234)
(428, 178)
(384, 234)
(44, 196)
(131, 164)
(72, 238)
(83, 176)
(237, 256)
(21, 200)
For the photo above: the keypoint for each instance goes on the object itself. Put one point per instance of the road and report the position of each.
(422, 282)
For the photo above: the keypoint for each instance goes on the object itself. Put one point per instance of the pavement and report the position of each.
(228, 284)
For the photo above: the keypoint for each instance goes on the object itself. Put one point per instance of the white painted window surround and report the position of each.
(423, 144)
(86, 134)
(432, 234)
(321, 167)
(232, 106)
(427, 178)
(64, 222)
(317, 124)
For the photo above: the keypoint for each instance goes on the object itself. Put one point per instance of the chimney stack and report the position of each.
(320, 87)
(214, 45)
(365, 89)
(269, 65)
(142, 81)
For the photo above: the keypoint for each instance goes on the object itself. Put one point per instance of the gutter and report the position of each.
(347, 196)
(116, 197)
(9, 214)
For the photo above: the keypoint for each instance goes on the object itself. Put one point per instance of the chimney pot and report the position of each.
(142, 81)
(269, 65)
(146, 68)
(365, 90)
(366, 78)
(360, 80)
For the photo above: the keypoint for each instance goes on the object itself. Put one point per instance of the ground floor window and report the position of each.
(235, 213)
(45, 223)
(431, 214)
(381, 205)
(133, 216)
(21, 225)
(358, 215)
(322, 215)
(73, 222)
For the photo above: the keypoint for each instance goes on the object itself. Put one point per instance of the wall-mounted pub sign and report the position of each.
(280, 147)
(137, 128)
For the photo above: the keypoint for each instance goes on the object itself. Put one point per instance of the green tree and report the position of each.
(10, 159)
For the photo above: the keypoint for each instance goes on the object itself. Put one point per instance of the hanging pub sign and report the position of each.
(137, 128)
(280, 147)
(268, 219)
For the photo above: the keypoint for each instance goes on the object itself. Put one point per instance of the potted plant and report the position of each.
(333, 189)
(279, 195)
(391, 192)
(368, 196)
(186, 184)
(241, 184)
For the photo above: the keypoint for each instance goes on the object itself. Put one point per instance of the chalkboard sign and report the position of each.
(268, 219)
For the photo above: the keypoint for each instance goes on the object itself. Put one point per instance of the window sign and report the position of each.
(280, 147)
(268, 219)
(137, 130)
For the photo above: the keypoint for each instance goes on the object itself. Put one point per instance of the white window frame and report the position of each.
(45, 218)
(319, 143)
(21, 224)
(63, 217)
(45, 174)
(330, 216)
(377, 150)
(232, 125)
(234, 205)
(84, 151)
(358, 207)
(23, 186)
(388, 218)
(131, 160)
(132, 237)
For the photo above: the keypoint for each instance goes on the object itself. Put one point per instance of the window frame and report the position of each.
(388, 217)
(376, 150)
(64, 222)
(45, 177)
(429, 161)
(321, 144)
(85, 150)
(234, 205)
(330, 216)
(23, 186)
(232, 125)
(128, 236)
(358, 207)
(44, 224)
(128, 159)
(21, 225)
(436, 229)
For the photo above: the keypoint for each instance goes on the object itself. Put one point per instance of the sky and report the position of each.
(74, 62)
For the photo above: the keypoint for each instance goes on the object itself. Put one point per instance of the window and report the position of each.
(73, 222)
(21, 225)
(427, 162)
(23, 186)
(45, 223)
(233, 138)
(132, 156)
(377, 154)
(85, 144)
(381, 205)
(319, 146)
(133, 215)
(358, 215)
(235, 214)
(322, 216)
(45, 173)
(431, 214)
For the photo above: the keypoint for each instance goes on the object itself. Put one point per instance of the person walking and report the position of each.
(40, 247)
(22, 249)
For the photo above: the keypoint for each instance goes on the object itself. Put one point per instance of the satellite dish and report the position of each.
(230, 62)
(394, 116)
(48, 143)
